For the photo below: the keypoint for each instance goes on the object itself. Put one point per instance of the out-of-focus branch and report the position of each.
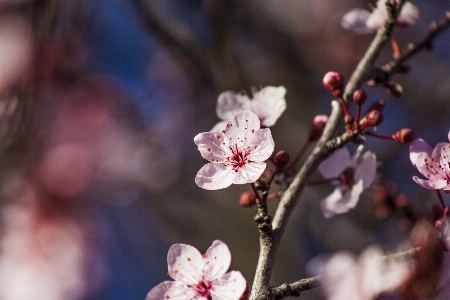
(260, 289)
(384, 74)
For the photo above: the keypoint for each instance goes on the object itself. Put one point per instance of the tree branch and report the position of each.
(260, 289)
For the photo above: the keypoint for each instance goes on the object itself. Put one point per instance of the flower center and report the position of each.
(203, 289)
(239, 159)
(347, 177)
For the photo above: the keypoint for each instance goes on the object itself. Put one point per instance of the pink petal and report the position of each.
(185, 264)
(248, 173)
(218, 259)
(355, 21)
(229, 104)
(213, 146)
(340, 202)
(418, 146)
(171, 290)
(378, 16)
(431, 184)
(352, 200)
(243, 127)
(334, 165)
(214, 176)
(230, 286)
(328, 205)
(268, 104)
(261, 145)
(366, 169)
(409, 14)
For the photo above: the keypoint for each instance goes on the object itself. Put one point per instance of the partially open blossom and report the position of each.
(236, 155)
(431, 163)
(334, 82)
(345, 276)
(353, 176)
(200, 276)
(317, 126)
(362, 21)
(268, 104)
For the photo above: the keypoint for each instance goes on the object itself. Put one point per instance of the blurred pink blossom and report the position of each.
(268, 104)
(345, 276)
(353, 176)
(200, 276)
(236, 154)
(362, 21)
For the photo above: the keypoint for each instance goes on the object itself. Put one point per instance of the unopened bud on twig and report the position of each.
(334, 82)
(349, 119)
(404, 136)
(247, 199)
(374, 118)
(281, 159)
(317, 126)
(359, 96)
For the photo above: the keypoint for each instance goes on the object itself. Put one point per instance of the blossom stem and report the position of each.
(273, 176)
(358, 114)
(300, 154)
(344, 106)
(441, 201)
(385, 137)
(255, 191)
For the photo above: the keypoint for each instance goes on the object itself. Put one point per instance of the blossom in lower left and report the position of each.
(200, 276)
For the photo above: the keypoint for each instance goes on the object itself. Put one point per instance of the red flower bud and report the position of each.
(374, 118)
(317, 126)
(359, 96)
(334, 82)
(404, 136)
(247, 199)
(281, 159)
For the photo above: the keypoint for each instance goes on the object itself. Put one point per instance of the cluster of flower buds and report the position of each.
(373, 117)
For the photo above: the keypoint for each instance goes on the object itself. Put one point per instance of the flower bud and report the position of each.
(359, 96)
(334, 82)
(317, 126)
(404, 136)
(247, 199)
(349, 119)
(374, 118)
(281, 159)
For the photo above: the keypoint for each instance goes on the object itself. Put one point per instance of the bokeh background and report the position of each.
(101, 99)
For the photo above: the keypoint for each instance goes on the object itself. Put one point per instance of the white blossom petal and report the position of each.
(248, 173)
(366, 169)
(417, 147)
(333, 166)
(185, 264)
(355, 21)
(222, 125)
(268, 104)
(230, 104)
(214, 177)
(431, 184)
(261, 145)
(174, 290)
(213, 146)
(230, 286)
(409, 14)
(218, 258)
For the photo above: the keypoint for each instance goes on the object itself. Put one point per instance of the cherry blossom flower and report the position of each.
(236, 154)
(268, 104)
(200, 276)
(353, 176)
(362, 21)
(345, 276)
(432, 163)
